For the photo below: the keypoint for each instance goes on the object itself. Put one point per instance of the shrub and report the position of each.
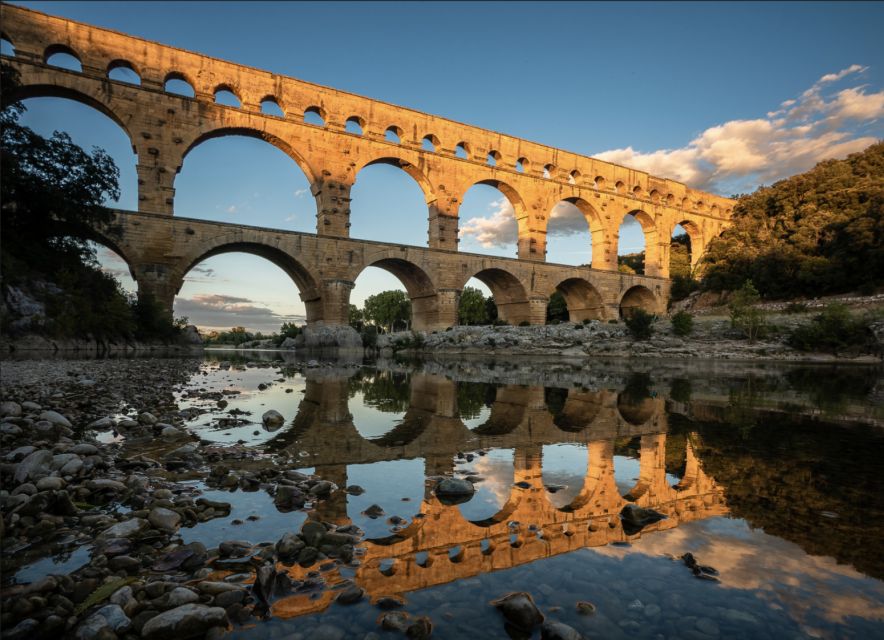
(833, 330)
(370, 336)
(586, 321)
(682, 323)
(745, 316)
(640, 324)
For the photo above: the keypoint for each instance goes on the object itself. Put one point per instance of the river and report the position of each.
(768, 475)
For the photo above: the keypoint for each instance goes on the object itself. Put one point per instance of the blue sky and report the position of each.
(694, 91)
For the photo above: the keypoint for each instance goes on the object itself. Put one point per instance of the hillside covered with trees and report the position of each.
(816, 233)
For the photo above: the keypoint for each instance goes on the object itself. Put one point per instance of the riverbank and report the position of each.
(712, 338)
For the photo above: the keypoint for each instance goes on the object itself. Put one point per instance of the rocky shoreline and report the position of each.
(71, 479)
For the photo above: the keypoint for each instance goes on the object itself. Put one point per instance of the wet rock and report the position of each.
(394, 621)
(707, 626)
(34, 466)
(635, 518)
(177, 597)
(355, 490)
(10, 409)
(228, 598)
(186, 621)
(308, 556)
(374, 511)
(50, 483)
(125, 529)
(24, 630)
(289, 546)
(164, 519)
(147, 418)
(265, 582)
(216, 588)
(103, 484)
(172, 433)
(55, 418)
(84, 449)
(451, 491)
(388, 603)
(420, 629)
(519, 610)
(234, 547)
(322, 489)
(288, 497)
(558, 631)
(585, 608)
(102, 423)
(312, 532)
(110, 617)
(125, 598)
(272, 419)
(125, 563)
(350, 595)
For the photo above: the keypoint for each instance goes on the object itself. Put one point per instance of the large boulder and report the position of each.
(451, 491)
(326, 336)
(186, 621)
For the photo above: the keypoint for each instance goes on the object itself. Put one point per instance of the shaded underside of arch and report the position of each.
(583, 299)
(510, 295)
(637, 297)
(410, 169)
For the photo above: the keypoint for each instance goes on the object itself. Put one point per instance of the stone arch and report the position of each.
(580, 410)
(520, 211)
(252, 133)
(695, 233)
(635, 411)
(509, 292)
(307, 283)
(601, 250)
(583, 299)
(418, 285)
(271, 99)
(228, 88)
(40, 90)
(120, 63)
(652, 245)
(412, 170)
(637, 297)
(53, 49)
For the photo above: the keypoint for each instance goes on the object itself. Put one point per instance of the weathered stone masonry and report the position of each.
(163, 127)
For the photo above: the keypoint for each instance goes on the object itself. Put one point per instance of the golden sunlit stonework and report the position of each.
(160, 248)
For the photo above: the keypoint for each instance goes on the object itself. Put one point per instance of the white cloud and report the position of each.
(300, 193)
(739, 154)
(211, 311)
(231, 209)
(499, 228)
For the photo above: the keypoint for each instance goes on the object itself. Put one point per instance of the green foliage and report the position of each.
(388, 309)
(386, 391)
(370, 336)
(834, 330)
(745, 315)
(680, 257)
(355, 317)
(556, 309)
(682, 287)
(682, 323)
(472, 397)
(640, 324)
(473, 308)
(631, 263)
(815, 233)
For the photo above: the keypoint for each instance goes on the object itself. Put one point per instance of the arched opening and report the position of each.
(58, 55)
(224, 95)
(113, 264)
(381, 299)
(637, 191)
(618, 187)
(462, 150)
(637, 243)
(582, 300)
(476, 305)
(521, 165)
(178, 84)
(573, 177)
(234, 175)
(599, 183)
(568, 237)
(123, 71)
(474, 403)
(389, 203)
(430, 143)
(270, 107)
(88, 126)
(6, 47)
(635, 404)
(489, 213)
(393, 134)
(254, 287)
(493, 158)
(638, 297)
(507, 295)
(497, 470)
(564, 469)
(315, 116)
(680, 253)
(354, 125)
(548, 170)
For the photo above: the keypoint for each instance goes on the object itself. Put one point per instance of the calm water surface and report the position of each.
(769, 474)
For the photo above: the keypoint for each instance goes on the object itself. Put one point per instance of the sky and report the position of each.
(722, 96)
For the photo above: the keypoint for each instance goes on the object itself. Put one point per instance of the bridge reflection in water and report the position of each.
(439, 544)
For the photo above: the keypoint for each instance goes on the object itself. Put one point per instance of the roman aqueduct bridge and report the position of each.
(444, 157)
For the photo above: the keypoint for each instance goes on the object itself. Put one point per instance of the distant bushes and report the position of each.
(835, 331)
(640, 324)
(682, 323)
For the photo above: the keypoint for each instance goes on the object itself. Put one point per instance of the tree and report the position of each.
(557, 308)
(472, 308)
(388, 309)
(289, 330)
(355, 317)
(745, 315)
(814, 233)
